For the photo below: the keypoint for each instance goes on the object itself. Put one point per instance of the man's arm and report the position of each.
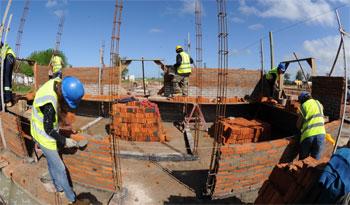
(49, 118)
(178, 61)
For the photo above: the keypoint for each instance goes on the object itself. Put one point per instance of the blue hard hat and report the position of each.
(282, 67)
(303, 95)
(72, 91)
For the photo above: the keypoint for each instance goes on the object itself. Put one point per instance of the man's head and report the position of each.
(304, 96)
(178, 49)
(72, 91)
(55, 52)
(281, 68)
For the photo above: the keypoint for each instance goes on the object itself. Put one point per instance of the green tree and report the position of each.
(286, 78)
(41, 58)
(299, 75)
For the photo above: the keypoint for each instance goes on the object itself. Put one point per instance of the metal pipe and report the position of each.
(336, 57)
(143, 77)
(346, 82)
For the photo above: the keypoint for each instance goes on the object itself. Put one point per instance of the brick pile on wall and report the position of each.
(240, 130)
(12, 133)
(201, 99)
(87, 75)
(241, 169)
(240, 82)
(92, 166)
(330, 92)
(292, 183)
(137, 121)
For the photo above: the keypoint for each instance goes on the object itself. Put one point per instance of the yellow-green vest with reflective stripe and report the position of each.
(7, 50)
(269, 75)
(185, 66)
(46, 94)
(56, 63)
(313, 121)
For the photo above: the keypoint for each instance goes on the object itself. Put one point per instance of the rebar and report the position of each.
(115, 38)
(59, 33)
(21, 27)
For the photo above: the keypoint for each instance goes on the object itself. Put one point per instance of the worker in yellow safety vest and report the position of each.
(311, 125)
(52, 100)
(183, 71)
(56, 64)
(9, 58)
(273, 76)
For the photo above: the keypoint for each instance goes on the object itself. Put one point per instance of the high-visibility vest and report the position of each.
(313, 121)
(46, 94)
(269, 75)
(6, 49)
(185, 66)
(56, 63)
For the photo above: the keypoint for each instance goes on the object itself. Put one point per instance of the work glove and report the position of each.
(70, 143)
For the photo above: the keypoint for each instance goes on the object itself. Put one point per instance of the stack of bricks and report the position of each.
(135, 121)
(292, 183)
(12, 134)
(93, 165)
(241, 130)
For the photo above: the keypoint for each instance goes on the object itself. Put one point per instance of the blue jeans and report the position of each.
(58, 173)
(312, 146)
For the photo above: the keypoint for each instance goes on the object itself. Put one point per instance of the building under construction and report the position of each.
(223, 143)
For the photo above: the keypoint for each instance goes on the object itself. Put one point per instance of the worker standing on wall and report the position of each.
(53, 99)
(183, 71)
(311, 125)
(9, 62)
(272, 78)
(56, 64)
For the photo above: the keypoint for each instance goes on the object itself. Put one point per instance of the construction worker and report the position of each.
(311, 125)
(52, 100)
(9, 62)
(273, 76)
(56, 64)
(183, 71)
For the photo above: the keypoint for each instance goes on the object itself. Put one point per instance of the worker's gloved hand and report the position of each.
(70, 143)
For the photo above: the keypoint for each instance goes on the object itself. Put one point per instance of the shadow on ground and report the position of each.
(194, 200)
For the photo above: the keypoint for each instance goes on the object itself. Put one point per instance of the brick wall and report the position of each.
(330, 92)
(12, 133)
(241, 169)
(92, 166)
(87, 75)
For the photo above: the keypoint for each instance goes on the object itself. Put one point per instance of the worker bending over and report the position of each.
(183, 71)
(273, 76)
(311, 125)
(9, 62)
(52, 100)
(56, 64)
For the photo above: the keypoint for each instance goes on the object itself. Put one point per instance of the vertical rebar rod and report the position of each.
(262, 65)
(271, 50)
(21, 27)
(143, 76)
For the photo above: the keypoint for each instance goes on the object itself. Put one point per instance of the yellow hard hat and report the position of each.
(178, 47)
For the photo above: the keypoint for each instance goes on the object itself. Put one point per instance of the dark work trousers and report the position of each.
(8, 68)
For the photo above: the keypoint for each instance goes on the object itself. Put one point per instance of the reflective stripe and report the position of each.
(314, 116)
(46, 98)
(36, 115)
(7, 89)
(319, 124)
(42, 133)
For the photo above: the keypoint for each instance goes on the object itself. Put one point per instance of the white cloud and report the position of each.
(237, 20)
(236, 52)
(51, 3)
(187, 7)
(255, 27)
(324, 51)
(292, 10)
(59, 13)
(155, 30)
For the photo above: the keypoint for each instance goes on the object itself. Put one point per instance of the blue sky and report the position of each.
(152, 29)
